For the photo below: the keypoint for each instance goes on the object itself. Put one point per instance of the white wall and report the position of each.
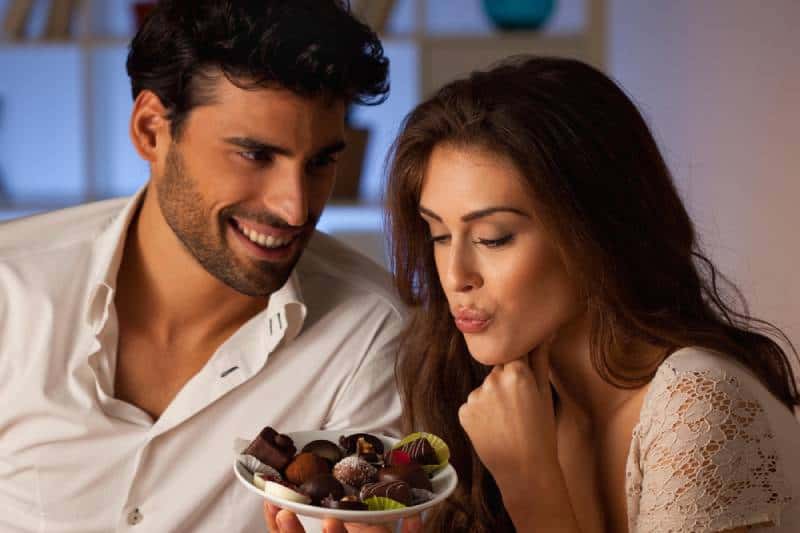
(719, 82)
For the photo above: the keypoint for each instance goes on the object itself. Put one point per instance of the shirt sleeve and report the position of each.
(369, 400)
(708, 460)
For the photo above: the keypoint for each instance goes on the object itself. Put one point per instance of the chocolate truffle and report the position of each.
(306, 466)
(413, 474)
(348, 503)
(350, 442)
(398, 491)
(272, 448)
(420, 451)
(325, 449)
(354, 471)
(322, 486)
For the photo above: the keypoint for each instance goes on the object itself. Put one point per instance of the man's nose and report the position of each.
(286, 194)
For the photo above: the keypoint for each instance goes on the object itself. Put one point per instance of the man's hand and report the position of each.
(283, 521)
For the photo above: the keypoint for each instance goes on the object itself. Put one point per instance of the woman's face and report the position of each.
(505, 281)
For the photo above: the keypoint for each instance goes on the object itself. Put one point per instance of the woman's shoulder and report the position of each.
(695, 379)
(712, 438)
(701, 372)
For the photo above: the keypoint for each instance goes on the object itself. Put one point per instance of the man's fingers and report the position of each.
(368, 528)
(412, 524)
(269, 516)
(288, 522)
(329, 525)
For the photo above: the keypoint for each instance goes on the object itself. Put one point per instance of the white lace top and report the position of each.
(713, 450)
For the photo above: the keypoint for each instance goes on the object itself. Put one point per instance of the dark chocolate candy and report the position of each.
(325, 449)
(306, 466)
(321, 487)
(348, 503)
(398, 491)
(272, 448)
(350, 443)
(420, 451)
(413, 474)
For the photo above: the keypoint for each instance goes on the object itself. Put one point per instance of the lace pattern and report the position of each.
(702, 457)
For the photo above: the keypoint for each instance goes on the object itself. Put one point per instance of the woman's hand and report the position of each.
(283, 521)
(510, 419)
(511, 424)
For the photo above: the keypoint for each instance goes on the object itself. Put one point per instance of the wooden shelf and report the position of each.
(440, 57)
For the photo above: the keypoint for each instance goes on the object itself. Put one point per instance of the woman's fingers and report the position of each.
(539, 362)
(288, 522)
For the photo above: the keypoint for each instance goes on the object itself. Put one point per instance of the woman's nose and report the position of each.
(462, 275)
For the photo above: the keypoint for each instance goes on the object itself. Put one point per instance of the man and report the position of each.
(140, 337)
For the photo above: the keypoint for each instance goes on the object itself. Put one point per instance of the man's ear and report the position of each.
(149, 127)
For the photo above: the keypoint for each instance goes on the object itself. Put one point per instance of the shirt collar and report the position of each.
(285, 313)
(286, 310)
(107, 252)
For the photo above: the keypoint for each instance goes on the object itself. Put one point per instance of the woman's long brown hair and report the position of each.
(608, 201)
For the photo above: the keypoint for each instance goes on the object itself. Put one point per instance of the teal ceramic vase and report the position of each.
(518, 14)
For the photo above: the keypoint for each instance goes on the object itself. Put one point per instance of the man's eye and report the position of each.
(494, 243)
(255, 155)
(322, 161)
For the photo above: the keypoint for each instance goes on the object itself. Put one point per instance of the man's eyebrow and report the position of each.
(479, 213)
(332, 148)
(248, 143)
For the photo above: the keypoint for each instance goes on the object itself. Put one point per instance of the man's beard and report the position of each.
(183, 207)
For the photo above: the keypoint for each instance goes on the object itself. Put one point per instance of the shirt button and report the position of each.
(135, 516)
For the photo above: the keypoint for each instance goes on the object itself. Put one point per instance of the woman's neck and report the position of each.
(584, 396)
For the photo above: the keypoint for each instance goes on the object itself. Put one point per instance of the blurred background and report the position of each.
(717, 80)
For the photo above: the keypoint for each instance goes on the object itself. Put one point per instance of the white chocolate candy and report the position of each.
(279, 491)
(259, 478)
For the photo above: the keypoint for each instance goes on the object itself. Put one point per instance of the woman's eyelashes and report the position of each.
(495, 243)
(488, 243)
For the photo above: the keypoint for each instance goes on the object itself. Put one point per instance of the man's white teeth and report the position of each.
(267, 241)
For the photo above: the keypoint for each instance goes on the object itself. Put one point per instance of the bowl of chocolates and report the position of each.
(352, 476)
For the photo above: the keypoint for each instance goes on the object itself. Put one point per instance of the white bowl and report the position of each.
(444, 483)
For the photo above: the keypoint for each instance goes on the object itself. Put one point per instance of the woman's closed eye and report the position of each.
(494, 243)
(489, 243)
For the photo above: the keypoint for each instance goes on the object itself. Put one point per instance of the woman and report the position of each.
(568, 338)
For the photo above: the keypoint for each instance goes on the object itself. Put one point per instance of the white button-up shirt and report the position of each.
(75, 459)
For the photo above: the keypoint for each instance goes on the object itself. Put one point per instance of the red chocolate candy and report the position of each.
(420, 451)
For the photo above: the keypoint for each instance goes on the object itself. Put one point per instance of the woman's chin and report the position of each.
(490, 357)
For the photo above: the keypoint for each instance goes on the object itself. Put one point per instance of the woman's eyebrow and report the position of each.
(477, 214)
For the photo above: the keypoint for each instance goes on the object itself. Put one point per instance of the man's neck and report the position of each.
(160, 285)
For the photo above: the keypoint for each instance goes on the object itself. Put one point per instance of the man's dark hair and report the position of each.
(310, 47)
